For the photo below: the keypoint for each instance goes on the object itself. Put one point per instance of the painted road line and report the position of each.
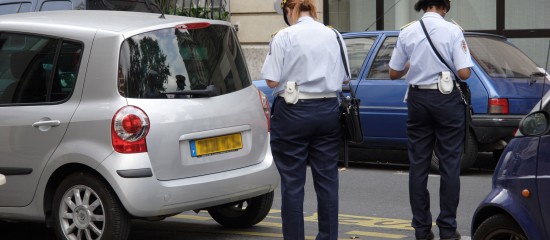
(269, 224)
(407, 173)
(344, 219)
(376, 234)
(365, 221)
(192, 217)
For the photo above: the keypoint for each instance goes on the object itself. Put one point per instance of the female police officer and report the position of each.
(305, 58)
(436, 121)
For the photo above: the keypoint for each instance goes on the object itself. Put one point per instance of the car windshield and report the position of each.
(182, 63)
(500, 59)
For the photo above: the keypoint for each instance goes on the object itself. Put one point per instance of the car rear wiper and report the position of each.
(210, 91)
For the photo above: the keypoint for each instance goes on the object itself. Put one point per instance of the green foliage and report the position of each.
(195, 10)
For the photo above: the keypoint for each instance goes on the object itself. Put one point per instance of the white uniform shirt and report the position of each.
(413, 46)
(307, 53)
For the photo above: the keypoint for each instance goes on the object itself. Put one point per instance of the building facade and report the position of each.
(526, 23)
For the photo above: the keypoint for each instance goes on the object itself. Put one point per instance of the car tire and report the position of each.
(85, 205)
(244, 213)
(468, 157)
(499, 227)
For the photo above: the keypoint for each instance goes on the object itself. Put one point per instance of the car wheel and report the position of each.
(85, 207)
(499, 227)
(244, 213)
(468, 157)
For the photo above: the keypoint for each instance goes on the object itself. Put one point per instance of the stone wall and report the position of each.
(256, 21)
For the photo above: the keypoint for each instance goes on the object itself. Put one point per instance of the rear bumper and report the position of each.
(149, 197)
(491, 129)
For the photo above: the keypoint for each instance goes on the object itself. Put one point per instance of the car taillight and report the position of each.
(265, 106)
(129, 127)
(499, 106)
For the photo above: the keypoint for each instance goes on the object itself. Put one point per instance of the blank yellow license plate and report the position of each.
(207, 146)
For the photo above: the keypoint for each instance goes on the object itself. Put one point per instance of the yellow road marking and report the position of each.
(343, 219)
(363, 221)
(270, 224)
(376, 234)
(193, 217)
(271, 211)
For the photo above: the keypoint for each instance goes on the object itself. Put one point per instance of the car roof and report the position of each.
(113, 21)
(396, 32)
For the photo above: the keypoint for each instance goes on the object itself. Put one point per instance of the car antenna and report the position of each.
(162, 8)
(375, 21)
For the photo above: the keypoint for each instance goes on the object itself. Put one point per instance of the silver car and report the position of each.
(107, 116)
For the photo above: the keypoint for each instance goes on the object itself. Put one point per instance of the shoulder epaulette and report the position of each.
(408, 24)
(275, 33)
(457, 24)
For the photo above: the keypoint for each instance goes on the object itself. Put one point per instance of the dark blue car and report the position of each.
(503, 85)
(518, 206)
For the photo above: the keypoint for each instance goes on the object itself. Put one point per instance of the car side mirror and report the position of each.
(535, 76)
(534, 124)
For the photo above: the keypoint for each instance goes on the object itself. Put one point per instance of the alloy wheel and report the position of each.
(81, 214)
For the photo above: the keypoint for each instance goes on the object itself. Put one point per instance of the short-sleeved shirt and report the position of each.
(307, 53)
(413, 46)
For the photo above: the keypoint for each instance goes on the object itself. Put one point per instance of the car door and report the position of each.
(543, 179)
(543, 175)
(37, 78)
(383, 111)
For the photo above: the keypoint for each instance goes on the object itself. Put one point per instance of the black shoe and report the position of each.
(430, 236)
(455, 236)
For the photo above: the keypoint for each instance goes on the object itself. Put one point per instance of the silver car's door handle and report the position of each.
(48, 123)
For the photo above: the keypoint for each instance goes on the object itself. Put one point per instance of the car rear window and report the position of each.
(37, 69)
(499, 58)
(182, 63)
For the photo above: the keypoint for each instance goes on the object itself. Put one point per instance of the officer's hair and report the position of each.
(298, 6)
(425, 4)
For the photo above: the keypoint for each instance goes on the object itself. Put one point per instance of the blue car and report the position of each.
(504, 85)
(518, 205)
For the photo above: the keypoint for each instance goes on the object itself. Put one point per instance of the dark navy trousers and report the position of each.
(436, 123)
(302, 133)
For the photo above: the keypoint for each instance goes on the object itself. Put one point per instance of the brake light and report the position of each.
(265, 106)
(129, 127)
(190, 26)
(499, 106)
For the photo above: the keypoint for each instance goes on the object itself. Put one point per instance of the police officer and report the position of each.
(436, 121)
(305, 129)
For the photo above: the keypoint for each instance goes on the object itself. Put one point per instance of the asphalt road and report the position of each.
(373, 205)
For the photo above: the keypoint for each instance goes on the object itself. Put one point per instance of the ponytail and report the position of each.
(298, 6)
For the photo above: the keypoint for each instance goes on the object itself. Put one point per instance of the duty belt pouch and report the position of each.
(445, 83)
(291, 93)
